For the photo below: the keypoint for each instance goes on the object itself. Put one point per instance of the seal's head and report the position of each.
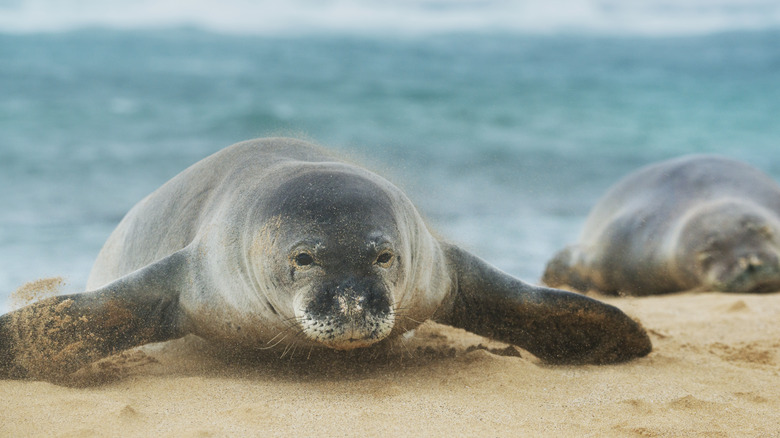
(337, 257)
(732, 246)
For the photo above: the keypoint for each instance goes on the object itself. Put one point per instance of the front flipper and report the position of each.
(54, 337)
(556, 326)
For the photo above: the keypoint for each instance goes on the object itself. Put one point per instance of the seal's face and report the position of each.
(338, 257)
(735, 252)
(344, 294)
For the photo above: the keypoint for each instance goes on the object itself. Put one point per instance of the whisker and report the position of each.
(411, 319)
(401, 310)
(292, 320)
(272, 346)
(401, 313)
(292, 329)
(286, 349)
(300, 333)
(295, 348)
(277, 335)
(406, 347)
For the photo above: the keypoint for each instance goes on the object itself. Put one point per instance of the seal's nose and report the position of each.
(350, 305)
(751, 263)
(348, 313)
(351, 298)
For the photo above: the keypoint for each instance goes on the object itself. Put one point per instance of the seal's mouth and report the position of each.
(342, 332)
(743, 285)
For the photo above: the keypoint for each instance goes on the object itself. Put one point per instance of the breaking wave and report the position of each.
(296, 17)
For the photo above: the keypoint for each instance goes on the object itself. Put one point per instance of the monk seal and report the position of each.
(277, 242)
(694, 222)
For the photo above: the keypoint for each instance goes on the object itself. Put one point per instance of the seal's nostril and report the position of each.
(750, 263)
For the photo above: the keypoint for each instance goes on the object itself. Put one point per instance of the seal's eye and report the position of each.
(384, 259)
(303, 259)
(705, 258)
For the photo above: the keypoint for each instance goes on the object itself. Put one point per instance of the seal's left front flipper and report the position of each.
(54, 337)
(556, 326)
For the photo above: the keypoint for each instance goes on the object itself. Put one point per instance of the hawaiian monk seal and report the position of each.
(694, 222)
(276, 241)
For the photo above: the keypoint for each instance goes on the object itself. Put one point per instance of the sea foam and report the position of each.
(297, 17)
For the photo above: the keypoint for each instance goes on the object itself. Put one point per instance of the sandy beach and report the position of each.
(714, 371)
(504, 122)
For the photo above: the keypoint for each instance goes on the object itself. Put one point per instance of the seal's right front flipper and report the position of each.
(54, 337)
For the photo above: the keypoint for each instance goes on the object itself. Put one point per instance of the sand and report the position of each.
(714, 371)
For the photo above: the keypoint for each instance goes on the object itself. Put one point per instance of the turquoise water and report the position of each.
(503, 139)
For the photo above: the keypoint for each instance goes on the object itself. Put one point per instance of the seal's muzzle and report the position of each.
(352, 313)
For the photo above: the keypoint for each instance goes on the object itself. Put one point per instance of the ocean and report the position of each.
(504, 123)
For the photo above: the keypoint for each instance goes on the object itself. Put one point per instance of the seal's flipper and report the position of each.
(54, 337)
(556, 326)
